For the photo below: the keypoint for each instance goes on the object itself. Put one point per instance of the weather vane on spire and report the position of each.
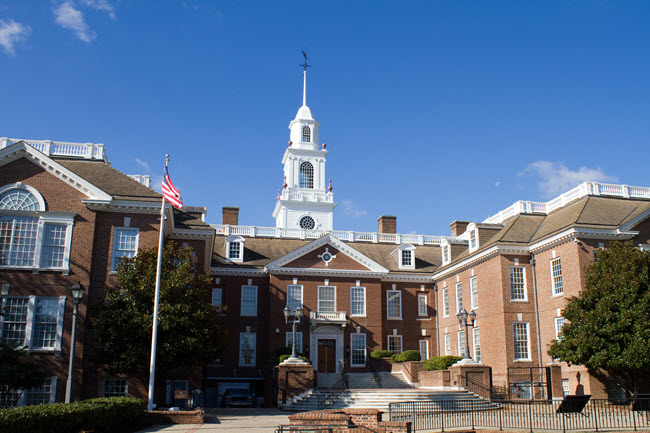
(305, 65)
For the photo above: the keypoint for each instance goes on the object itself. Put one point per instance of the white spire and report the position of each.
(304, 88)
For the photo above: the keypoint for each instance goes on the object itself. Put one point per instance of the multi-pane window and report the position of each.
(358, 350)
(14, 321)
(115, 388)
(306, 134)
(307, 223)
(473, 287)
(19, 199)
(289, 340)
(217, 297)
(445, 301)
(517, 284)
(445, 254)
(424, 349)
(477, 344)
(45, 323)
(459, 296)
(394, 304)
(294, 296)
(461, 343)
(327, 299)
(306, 175)
(32, 322)
(422, 305)
(520, 340)
(472, 240)
(407, 256)
(566, 388)
(357, 301)
(556, 277)
(40, 395)
(247, 349)
(249, 300)
(53, 253)
(125, 244)
(234, 252)
(395, 343)
(447, 338)
(559, 323)
(18, 240)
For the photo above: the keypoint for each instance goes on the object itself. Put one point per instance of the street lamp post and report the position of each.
(77, 291)
(462, 319)
(295, 319)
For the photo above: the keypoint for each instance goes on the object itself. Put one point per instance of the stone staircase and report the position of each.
(364, 393)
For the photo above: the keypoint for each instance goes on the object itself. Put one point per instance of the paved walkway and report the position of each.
(231, 420)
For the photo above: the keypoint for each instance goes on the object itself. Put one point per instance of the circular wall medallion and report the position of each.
(326, 256)
(307, 223)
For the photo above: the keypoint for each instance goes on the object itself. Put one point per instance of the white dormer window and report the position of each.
(235, 249)
(306, 134)
(473, 237)
(406, 256)
(446, 255)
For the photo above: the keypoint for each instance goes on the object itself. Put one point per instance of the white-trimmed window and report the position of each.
(30, 237)
(115, 388)
(566, 388)
(33, 322)
(395, 343)
(422, 305)
(473, 287)
(247, 344)
(447, 341)
(445, 301)
(307, 223)
(358, 350)
(393, 304)
(357, 301)
(289, 340)
(517, 283)
(306, 134)
(406, 256)
(249, 300)
(473, 237)
(125, 244)
(217, 297)
(556, 277)
(461, 343)
(476, 332)
(294, 296)
(459, 297)
(306, 175)
(424, 349)
(559, 323)
(521, 341)
(446, 256)
(327, 299)
(235, 248)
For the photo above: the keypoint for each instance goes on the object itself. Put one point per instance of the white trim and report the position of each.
(114, 245)
(446, 342)
(401, 342)
(318, 299)
(241, 311)
(364, 301)
(525, 288)
(554, 289)
(216, 290)
(424, 313)
(237, 271)
(558, 325)
(445, 307)
(473, 292)
(28, 188)
(472, 230)
(233, 240)
(302, 291)
(459, 291)
(388, 310)
(426, 349)
(365, 350)
(402, 248)
(529, 357)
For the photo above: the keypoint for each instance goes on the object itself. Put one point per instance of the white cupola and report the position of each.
(306, 200)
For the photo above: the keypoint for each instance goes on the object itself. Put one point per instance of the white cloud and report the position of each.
(156, 183)
(144, 165)
(352, 209)
(556, 178)
(70, 18)
(101, 5)
(497, 183)
(12, 33)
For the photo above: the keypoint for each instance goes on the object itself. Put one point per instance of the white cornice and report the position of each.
(303, 152)
(326, 272)
(481, 257)
(237, 271)
(423, 278)
(192, 233)
(131, 206)
(334, 242)
(18, 150)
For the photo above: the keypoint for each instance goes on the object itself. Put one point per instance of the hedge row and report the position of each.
(441, 362)
(406, 356)
(376, 354)
(97, 415)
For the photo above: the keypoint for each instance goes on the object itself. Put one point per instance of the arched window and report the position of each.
(306, 134)
(306, 175)
(307, 223)
(19, 199)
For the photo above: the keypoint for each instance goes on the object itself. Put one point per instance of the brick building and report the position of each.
(360, 291)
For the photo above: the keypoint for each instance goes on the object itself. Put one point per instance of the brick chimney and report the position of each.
(230, 215)
(387, 224)
(458, 227)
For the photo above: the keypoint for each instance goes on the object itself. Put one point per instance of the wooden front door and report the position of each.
(327, 356)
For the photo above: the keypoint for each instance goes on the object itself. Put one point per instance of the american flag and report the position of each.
(171, 194)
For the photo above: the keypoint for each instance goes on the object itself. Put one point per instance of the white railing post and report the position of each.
(226, 230)
(626, 191)
(47, 147)
(3, 142)
(374, 238)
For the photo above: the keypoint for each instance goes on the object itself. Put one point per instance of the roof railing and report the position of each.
(61, 148)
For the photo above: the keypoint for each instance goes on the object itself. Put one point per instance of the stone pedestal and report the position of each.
(473, 376)
(293, 380)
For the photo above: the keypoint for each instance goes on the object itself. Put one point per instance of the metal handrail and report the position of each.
(375, 373)
(336, 390)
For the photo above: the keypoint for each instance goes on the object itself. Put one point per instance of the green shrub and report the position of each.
(406, 356)
(376, 354)
(97, 415)
(441, 362)
(285, 357)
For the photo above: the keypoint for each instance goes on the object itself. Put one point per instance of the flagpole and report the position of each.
(154, 334)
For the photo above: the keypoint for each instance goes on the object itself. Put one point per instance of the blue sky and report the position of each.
(432, 111)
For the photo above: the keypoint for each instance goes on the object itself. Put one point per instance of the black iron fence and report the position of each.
(323, 429)
(564, 415)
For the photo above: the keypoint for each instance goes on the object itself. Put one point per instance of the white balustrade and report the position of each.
(60, 148)
(330, 316)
